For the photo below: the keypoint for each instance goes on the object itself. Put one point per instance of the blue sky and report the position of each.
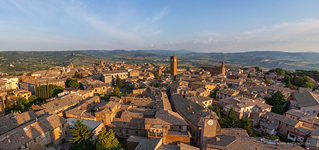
(205, 26)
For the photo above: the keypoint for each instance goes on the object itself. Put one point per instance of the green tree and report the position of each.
(257, 68)
(21, 103)
(119, 82)
(81, 136)
(29, 74)
(246, 124)
(72, 83)
(272, 137)
(107, 140)
(77, 75)
(219, 114)
(47, 91)
(32, 98)
(277, 99)
(281, 72)
(156, 75)
(278, 109)
(268, 82)
(231, 120)
(8, 103)
(116, 92)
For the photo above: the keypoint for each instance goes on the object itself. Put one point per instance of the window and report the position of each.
(46, 135)
(136, 132)
(120, 131)
(95, 90)
(286, 125)
(66, 133)
(180, 127)
(308, 111)
(292, 117)
(126, 131)
(171, 127)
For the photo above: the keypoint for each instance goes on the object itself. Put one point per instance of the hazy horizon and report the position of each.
(202, 26)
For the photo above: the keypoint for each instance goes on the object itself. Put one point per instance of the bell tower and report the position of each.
(210, 126)
(173, 65)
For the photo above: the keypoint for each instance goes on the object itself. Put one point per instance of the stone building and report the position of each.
(33, 131)
(215, 70)
(110, 76)
(9, 83)
(168, 125)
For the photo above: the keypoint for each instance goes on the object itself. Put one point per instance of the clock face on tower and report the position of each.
(210, 122)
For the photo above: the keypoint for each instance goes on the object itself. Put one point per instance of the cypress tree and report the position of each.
(36, 91)
(231, 120)
(221, 119)
(48, 91)
(81, 136)
(45, 92)
(41, 91)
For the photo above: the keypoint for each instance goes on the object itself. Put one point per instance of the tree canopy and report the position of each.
(72, 83)
(298, 81)
(47, 91)
(278, 109)
(107, 140)
(276, 99)
(8, 103)
(119, 83)
(116, 92)
(77, 75)
(156, 75)
(246, 124)
(81, 136)
(231, 120)
(32, 98)
(21, 103)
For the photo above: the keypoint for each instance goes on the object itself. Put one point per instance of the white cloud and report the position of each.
(287, 36)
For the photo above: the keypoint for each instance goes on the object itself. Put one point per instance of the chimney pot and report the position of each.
(217, 139)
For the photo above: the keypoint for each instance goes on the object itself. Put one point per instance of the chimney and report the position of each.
(217, 139)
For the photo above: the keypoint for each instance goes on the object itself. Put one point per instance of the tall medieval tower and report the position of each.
(102, 63)
(210, 127)
(173, 65)
(223, 68)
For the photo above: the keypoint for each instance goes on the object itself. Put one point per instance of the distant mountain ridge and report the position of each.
(17, 61)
